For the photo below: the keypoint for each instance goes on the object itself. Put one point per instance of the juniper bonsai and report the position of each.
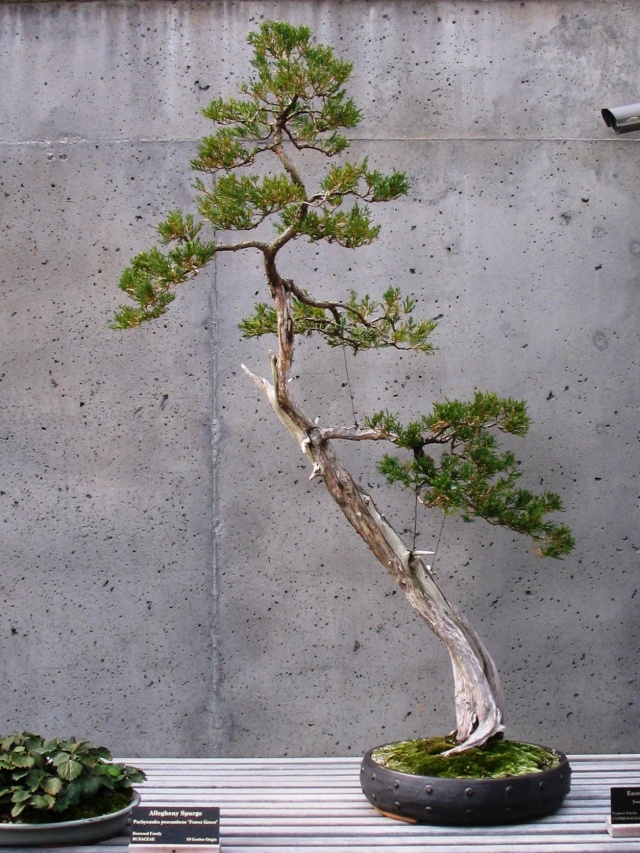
(295, 102)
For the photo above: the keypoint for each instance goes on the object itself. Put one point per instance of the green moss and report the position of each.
(102, 804)
(497, 759)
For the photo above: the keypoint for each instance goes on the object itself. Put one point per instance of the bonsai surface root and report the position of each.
(104, 803)
(497, 759)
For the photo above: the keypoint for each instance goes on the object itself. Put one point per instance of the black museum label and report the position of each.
(625, 805)
(176, 827)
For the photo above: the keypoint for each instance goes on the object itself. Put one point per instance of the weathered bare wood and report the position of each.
(478, 694)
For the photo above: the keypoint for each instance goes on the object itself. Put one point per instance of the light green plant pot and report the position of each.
(67, 832)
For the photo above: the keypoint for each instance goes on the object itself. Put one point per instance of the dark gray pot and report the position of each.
(464, 802)
(67, 832)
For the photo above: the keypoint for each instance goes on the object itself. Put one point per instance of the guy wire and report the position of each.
(435, 556)
(415, 532)
(346, 370)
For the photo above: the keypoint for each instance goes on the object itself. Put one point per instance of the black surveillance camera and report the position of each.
(623, 119)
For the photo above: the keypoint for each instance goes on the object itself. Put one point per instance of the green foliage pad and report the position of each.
(498, 759)
(472, 475)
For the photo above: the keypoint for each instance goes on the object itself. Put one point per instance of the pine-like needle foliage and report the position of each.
(360, 323)
(296, 101)
(471, 475)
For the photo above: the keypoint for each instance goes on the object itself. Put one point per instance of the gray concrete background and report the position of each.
(171, 582)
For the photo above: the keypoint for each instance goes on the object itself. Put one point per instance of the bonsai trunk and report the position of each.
(478, 694)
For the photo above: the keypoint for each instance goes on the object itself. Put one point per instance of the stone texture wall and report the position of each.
(171, 583)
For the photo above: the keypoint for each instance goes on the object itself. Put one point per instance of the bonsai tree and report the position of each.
(252, 183)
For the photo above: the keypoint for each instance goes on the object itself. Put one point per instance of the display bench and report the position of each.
(315, 804)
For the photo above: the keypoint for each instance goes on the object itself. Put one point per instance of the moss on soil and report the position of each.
(496, 760)
(102, 804)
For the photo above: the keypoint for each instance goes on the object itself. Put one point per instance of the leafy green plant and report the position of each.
(294, 103)
(55, 775)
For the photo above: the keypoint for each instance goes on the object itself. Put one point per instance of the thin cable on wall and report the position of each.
(415, 534)
(415, 506)
(346, 370)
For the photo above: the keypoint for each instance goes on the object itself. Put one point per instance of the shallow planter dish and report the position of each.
(464, 802)
(67, 832)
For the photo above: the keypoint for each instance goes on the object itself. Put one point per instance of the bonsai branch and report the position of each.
(350, 434)
(293, 426)
(478, 694)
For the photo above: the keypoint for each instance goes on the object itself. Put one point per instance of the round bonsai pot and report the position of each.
(464, 802)
(67, 832)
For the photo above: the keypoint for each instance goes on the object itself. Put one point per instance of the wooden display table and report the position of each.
(315, 804)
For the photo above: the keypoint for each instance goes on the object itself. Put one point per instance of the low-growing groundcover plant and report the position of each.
(290, 115)
(44, 781)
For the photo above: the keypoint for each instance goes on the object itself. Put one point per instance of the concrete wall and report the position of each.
(171, 583)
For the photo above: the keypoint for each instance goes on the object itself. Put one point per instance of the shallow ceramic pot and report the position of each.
(67, 832)
(464, 802)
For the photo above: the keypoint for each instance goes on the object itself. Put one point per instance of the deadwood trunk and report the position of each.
(478, 694)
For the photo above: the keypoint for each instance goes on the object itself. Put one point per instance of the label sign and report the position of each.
(625, 805)
(175, 828)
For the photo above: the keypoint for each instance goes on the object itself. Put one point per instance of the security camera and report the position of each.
(623, 119)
